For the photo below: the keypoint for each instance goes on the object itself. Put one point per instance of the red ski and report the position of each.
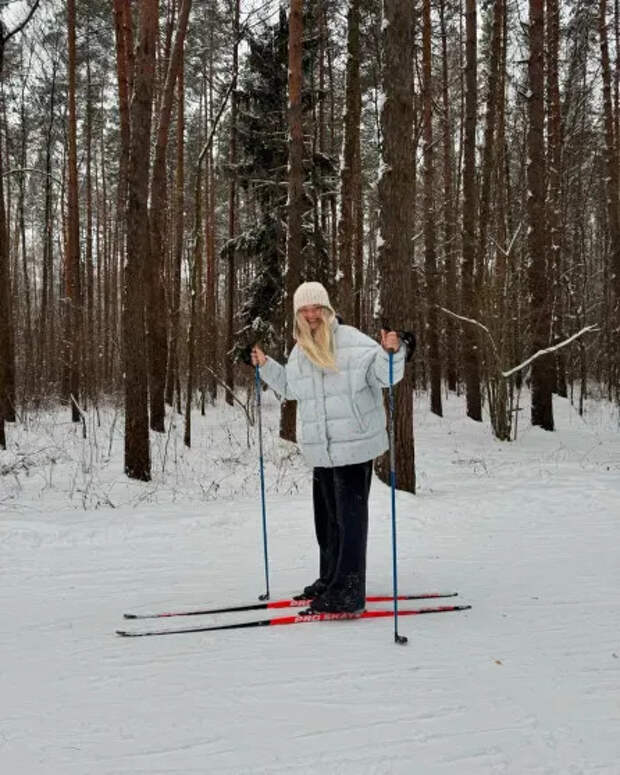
(300, 618)
(287, 603)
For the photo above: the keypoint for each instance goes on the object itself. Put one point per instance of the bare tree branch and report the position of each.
(475, 323)
(21, 26)
(536, 355)
(508, 251)
(216, 120)
(227, 387)
(33, 171)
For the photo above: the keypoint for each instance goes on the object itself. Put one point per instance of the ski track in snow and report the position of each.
(525, 683)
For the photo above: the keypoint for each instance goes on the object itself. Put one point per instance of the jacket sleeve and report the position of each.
(379, 369)
(274, 374)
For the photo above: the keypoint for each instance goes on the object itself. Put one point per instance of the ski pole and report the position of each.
(401, 639)
(262, 483)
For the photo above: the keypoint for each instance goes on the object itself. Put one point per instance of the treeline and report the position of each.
(170, 170)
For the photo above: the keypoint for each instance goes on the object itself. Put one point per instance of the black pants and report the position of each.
(340, 497)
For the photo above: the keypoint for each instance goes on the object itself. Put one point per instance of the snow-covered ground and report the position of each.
(527, 681)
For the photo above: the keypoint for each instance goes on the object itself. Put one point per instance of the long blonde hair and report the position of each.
(318, 348)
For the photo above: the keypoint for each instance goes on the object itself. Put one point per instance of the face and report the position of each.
(313, 315)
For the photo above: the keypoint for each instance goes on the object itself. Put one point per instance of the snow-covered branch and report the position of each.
(548, 350)
(512, 242)
(19, 27)
(532, 358)
(474, 322)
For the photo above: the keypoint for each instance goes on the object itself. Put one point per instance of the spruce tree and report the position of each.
(262, 172)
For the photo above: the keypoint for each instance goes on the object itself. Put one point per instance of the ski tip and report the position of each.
(130, 616)
(124, 633)
(462, 607)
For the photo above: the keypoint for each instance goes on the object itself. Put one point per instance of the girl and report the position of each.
(336, 374)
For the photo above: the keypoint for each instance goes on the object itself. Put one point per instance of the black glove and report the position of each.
(245, 354)
(407, 337)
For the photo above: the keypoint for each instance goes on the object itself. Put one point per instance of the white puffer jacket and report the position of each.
(341, 413)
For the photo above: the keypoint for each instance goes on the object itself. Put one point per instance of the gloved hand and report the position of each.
(407, 337)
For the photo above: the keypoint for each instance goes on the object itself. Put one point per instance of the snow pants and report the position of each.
(340, 498)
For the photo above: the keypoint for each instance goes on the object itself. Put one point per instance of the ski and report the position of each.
(287, 603)
(298, 618)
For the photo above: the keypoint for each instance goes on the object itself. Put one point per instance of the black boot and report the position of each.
(312, 590)
(347, 599)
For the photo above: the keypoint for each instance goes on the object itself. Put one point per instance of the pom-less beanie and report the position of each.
(308, 294)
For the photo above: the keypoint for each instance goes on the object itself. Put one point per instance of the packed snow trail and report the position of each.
(526, 683)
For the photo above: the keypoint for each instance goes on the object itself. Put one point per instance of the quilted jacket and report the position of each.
(341, 417)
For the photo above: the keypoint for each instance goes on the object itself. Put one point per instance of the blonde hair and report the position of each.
(318, 348)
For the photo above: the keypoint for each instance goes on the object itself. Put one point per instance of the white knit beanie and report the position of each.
(308, 294)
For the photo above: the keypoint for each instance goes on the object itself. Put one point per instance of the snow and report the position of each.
(527, 681)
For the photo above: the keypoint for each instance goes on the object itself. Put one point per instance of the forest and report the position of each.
(171, 170)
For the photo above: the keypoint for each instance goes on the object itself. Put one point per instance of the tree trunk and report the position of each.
(195, 295)
(430, 254)
(350, 152)
(470, 339)
(73, 312)
(172, 379)
(125, 66)
(323, 33)
(489, 155)
(449, 215)
(91, 344)
(542, 368)
(46, 328)
(7, 333)
(157, 329)
(28, 377)
(211, 353)
(397, 208)
(613, 201)
(333, 204)
(137, 454)
(232, 219)
(358, 238)
(7, 348)
(554, 196)
(502, 185)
